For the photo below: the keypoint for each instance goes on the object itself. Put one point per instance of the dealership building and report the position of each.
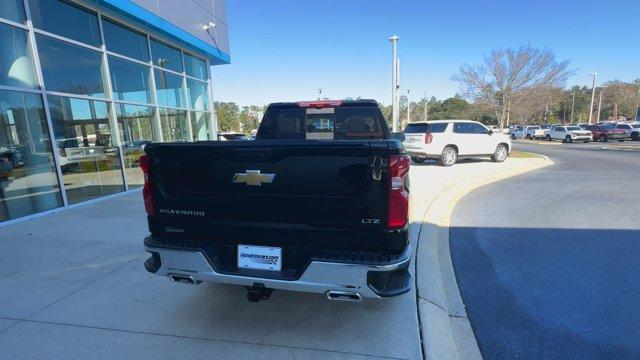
(86, 84)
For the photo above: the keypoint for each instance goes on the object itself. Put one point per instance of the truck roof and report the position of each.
(326, 103)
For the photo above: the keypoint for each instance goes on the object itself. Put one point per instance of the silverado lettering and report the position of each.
(181, 212)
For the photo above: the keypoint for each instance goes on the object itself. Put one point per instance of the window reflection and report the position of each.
(70, 68)
(12, 10)
(166, 56)
(169, 89)
(16, 62)
(130, 81)
(89, 161)
(198, 97)
(65, 19)
(195, 67)
(28, 183)
(121, 40)
(200, 126)
(175, 126)
(136, 131)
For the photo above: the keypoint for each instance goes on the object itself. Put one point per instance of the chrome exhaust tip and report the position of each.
(185, 279)
(343, 296)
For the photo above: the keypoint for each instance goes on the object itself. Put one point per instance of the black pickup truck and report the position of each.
(318, 203)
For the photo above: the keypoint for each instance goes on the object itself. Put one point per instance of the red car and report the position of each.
(606, 132)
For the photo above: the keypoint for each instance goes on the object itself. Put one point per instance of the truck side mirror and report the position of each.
(398, 136)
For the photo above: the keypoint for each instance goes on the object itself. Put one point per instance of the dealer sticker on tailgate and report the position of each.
(259, 257)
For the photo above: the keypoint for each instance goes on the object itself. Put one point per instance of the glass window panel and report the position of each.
(69, 68)
(166, 56)
(198, 97)
(90, 162)
(64, 19)
(12, 10)
(16, 62)
(195, 67)
(121, 40)
(169, 89)
(28, 182)
(200, 126)
(136, 131)
(174, 125)
(130, 81)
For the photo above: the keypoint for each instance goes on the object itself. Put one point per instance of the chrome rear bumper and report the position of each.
(319, 277)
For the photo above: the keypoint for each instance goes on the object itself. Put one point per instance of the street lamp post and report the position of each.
(425, 112)
(573, 104)
(408, 107)
(599, 105)
(395, 112)
(593, 96)
(319, 94)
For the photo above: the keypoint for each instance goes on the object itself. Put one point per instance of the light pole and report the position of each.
(395, 113)
(599, 105)
(408, 107)
(573, 104)
(319, 94)
(425, 111)
(593, 95)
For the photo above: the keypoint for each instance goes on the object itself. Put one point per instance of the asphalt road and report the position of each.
(548, 263)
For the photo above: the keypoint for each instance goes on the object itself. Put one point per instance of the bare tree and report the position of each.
(619, 99)
(510, 75)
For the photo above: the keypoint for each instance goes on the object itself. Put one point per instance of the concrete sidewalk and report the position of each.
(74, 287)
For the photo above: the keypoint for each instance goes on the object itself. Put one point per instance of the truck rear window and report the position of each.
(425, 128)
(340, 123)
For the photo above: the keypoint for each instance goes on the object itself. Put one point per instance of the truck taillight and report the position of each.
(146, 190)
(398, 207)
(427, 138)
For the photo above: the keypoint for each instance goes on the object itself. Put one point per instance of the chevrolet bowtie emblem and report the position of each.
(253, 178)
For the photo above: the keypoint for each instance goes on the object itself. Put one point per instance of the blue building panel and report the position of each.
(185, 27)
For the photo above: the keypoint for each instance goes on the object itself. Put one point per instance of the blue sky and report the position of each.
(283, 50)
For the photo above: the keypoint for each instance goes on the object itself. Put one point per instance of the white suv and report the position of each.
(568, 134)
(449, 140)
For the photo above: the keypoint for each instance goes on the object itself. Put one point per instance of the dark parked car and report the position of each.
(606, 132)
(317, 203)
(635, 133)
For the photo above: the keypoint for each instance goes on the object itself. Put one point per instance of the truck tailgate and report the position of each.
(251, 191)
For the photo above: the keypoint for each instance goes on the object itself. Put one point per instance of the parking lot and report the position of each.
(74, 287)
(547, 261)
